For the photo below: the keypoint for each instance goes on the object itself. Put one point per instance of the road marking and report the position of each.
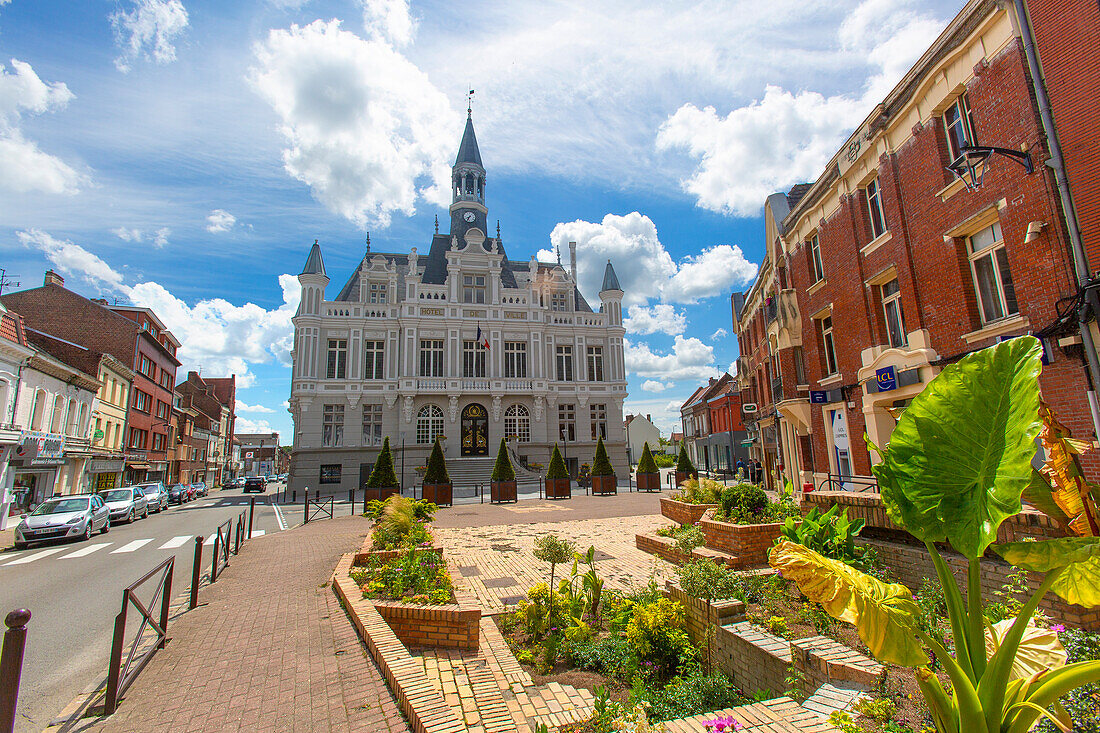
(130, 547)
(36, 556)
(278, 514)
(175, 542)
(210, 540)
(258, 532)
(85, 551)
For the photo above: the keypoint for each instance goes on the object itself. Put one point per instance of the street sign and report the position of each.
(748, 407)
(887, 378)
(818, 396)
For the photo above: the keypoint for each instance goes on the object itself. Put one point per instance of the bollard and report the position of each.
(293, 497)
(305, 507)
(217, 555)
(11, 666)
(196, 571)
(251, 514)
(351, 498)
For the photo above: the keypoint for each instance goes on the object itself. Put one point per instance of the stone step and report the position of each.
(493, 715)
(718, 556)
(829, 698)
(555, 705)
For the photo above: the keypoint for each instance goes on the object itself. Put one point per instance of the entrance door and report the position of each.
(475, 431)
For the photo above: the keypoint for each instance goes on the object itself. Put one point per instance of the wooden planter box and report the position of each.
(605, 485)
(682, 512)
(750, 542)
(648, 481)
(681, 477)
(440, 494)
(381, 494)
(502, 491)
(558, 488)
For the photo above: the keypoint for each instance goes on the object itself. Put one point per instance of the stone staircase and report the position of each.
(468, 472)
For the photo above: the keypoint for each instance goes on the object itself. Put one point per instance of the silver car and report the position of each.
(63, 517)
(126, 504)
(156, 496)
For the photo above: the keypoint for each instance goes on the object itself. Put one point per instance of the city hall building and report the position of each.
(461, 343)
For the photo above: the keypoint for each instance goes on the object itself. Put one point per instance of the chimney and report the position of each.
(573, 260)
(52, 278)
(100, 301)
(648, 417)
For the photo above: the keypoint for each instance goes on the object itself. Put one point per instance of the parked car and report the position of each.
(178, 493)
(126, 504)
(199, 489)
(63, 517)
(255, 483)
(156, 495)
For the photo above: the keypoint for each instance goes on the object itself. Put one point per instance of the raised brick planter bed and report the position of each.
(750, 542)
(682, 512)
(447, 627)
(665, 548)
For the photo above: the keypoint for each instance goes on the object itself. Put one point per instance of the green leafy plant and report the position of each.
(795, 683)
(843, 722)
(502, 470)
(556, 469)
(657, 631)
(876, 708)
(382, 475)
(699, 491)
(688, 538)
(830, 534)
(664, 460)
(437, 467)
(416, 576)
(555, 551)
(777, 625)
(742, 503)
(690, 694)
(398, 524)
(601, 465)
(956, 467)
(684, 464)
(646, 464)
(612, 655)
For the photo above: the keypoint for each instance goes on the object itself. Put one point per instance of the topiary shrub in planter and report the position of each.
(558, 485)
(684, 468)
(648, 477)
(502, 487)
(437, 482)
(604, 481)
(382, 482)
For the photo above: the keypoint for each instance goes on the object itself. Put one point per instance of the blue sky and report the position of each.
(184, 154)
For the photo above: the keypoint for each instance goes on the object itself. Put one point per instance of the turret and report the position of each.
(468, 187)
(313, 280)
(611, 296)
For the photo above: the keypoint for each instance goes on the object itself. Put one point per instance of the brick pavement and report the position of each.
(269, 649)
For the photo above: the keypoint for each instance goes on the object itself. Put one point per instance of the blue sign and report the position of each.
(887, 379)
(818, 397)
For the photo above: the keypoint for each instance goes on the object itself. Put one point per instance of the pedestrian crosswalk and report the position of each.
(67, 552)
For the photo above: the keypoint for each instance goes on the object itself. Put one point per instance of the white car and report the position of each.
(63, 517)
(156, 496)
(126, 504)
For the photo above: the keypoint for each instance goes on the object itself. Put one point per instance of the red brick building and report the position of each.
(713, 428)
(134, 336)
(887, 268)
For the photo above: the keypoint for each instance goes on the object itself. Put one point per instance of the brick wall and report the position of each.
(752, 658)
(749, 542)
(682, 512)
(822, 660)
(447, 627)
(701, 615)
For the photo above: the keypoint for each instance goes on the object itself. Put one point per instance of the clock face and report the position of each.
(468, 216)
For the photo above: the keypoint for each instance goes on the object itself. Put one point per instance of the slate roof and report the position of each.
(610, 281)
(796, 193)
(315, 264)
(467, 150)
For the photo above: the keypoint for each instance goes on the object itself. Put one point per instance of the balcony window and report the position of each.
(992, 279)
(564, 362)
(374, 359)
(337, 358)
(873, 195)
(473, 289)
(431, 357)
(473, 360)
(595, 363)
(517, 422)
(891, 309)
(957, 126)
(515, 360)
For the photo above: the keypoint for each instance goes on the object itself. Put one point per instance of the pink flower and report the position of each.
(1057, 628)
(721, 725)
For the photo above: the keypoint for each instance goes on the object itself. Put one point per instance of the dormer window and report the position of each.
(559, 302)
(376, 293)
(473, 289)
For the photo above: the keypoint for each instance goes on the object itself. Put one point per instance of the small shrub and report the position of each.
(669, 531)
(414, 577)
(816, 616)
(663, 460)
(601, 464)
(688, 538)
(526, 656)
(742, 503)
(657, 633)
(699, 491)
(646, 464)
(382, 475)
(687, 695)
(436, 472)
(502, 470)
(612, 655)
(843, 722)
(556, 469)
(777, 625)
(878, 708)
(683, 463)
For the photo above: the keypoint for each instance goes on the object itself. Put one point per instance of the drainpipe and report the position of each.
(1091, 302)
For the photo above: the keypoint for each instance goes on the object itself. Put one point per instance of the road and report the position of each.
(74, 591)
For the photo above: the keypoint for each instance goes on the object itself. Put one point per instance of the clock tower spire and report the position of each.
(468, 186)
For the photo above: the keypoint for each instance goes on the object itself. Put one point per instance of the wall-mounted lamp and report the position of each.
(1033, 229)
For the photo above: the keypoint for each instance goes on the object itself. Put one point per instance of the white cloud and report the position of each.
(242, 407)
(219, 221)
(128, 235)
(690, 358)
(285, 404)
(246, 426)
(785, 138)
(23, 166)
(148, 31)
(389, 20)
(160, 237)
(364, 127)
(720, 333)
(733, 368)
(660, 318)
(71, 259)
(712, 272)
(652, 385)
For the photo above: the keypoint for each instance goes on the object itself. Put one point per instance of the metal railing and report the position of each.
(319, 508)
(858, 484)
(220, 561)
(120, 675)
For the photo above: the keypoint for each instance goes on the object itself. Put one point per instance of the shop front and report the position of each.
(35, 463)
(106, 472)
(136, 470)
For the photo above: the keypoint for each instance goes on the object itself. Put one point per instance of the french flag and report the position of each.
(482, 340)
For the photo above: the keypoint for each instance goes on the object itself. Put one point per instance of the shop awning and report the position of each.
(746, 443)
(138, 466)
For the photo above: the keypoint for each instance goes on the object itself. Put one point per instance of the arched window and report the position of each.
(429, 424)
(56, 422)
(38, 409)
(517, 422)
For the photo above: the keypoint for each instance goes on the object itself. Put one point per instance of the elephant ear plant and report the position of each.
(956, 467)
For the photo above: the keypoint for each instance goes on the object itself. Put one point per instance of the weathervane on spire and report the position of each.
(498, 229)
(470, 103)
(368, 242)
(437, 223)
(559, 254)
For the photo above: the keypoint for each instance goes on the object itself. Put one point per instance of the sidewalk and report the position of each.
(268, 649)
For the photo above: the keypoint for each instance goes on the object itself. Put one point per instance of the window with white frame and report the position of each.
(332, 426)
(815, 259)
(559, 302)
(376, 293)
(372, 424)
(515, 359)
(517, 422)
(473, 359)
(429, 424)
(431, 357)
(957, 126)
(337, 358)
(595, 363)
(564, 359)
(992, 278)
(828, 348)
(374, 359)
(891, 310)
(473, 288)
(599, 421)
(567, 423)
(873, 195)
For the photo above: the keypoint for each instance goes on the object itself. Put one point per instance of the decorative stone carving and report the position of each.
(454, 243)
(452, 406)
(391, 400)
(408, 408)
(496, 408)
(538, 408)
